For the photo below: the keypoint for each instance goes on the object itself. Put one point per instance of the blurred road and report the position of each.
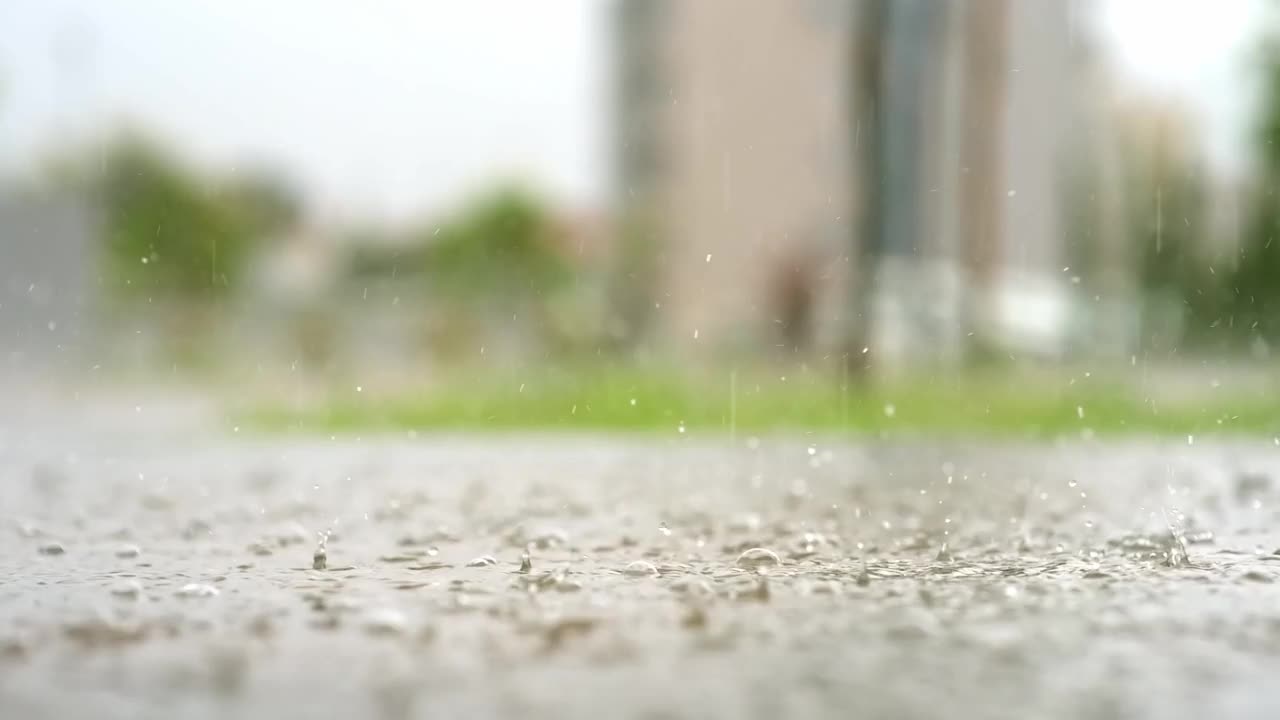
(170, 571)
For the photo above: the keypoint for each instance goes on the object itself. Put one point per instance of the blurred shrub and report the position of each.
(499, 252)
(169, 232)
(1256, 283)
(174, 240)
(1157, 210)
(495, 266)
(1167, 220)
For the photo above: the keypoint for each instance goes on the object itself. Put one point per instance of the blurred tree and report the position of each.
(174, 241)
(496, 262)
(498, 251)
(1166, 219)
(1256, 281)
(169, 234)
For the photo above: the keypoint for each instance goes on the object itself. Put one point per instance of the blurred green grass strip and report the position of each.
(630, 400)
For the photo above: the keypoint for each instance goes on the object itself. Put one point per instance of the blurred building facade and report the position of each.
(739, 133)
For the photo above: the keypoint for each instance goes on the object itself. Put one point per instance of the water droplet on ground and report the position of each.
(757, 558)
(640, 568)
(482, 561)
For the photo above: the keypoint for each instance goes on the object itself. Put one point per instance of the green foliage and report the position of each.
(168, 233)
(1160, 209)
(171, 233)
(1257, 280)
(1168, 220)
(497, 252)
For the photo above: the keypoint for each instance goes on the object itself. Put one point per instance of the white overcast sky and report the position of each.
(385, 108)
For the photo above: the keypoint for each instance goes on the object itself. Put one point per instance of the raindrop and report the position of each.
(640, 568)
(757, 558)
(890, 410)
(482, 561)
(526, 563)
(662, 528)
(320, 558)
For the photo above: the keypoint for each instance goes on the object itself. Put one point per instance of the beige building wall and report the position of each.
(752, 181)
(749, 124)
(1033, 310)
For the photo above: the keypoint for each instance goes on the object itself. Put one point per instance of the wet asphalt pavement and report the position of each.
(168, 570)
